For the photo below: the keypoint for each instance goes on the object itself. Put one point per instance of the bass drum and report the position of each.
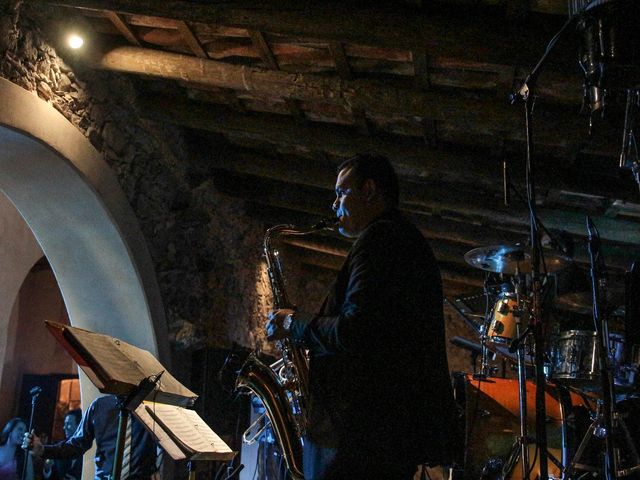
(492, 425)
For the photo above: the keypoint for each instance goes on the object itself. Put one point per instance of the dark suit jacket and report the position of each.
(65, 469)
(378, 371)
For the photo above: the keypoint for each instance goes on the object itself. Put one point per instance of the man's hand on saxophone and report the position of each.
(279, 324)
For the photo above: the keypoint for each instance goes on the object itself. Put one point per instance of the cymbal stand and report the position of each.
(485, 368)
(519, 344)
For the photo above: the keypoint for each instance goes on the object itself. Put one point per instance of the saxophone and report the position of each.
(282, 387)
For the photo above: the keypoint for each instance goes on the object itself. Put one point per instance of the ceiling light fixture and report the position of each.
(75, 41)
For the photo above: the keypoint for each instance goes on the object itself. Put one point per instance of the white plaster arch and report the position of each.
(19, 251)
(73, 204)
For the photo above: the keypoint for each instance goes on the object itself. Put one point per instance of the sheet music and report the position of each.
(189, 431)
(105, 351)
(164, 439)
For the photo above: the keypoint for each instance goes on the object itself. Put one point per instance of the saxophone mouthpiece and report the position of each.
(325, 223)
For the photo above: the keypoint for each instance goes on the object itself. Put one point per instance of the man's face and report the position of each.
(70, 425)
(350, 205)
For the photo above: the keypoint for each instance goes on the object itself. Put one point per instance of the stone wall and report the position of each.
(206, 250)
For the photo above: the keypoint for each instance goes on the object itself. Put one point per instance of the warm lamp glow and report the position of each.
(75, 41)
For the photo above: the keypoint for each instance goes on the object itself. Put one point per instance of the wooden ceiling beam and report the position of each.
(445, 252)
(374, 96)
(461, 232)
(410, 156)
(340, 59)
(465, 235)
(439, 199)
(453, 279)
(264, 50)
(385, 25)
(122, 27)
(191, 40)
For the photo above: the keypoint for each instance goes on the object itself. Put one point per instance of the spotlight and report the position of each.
(75, 41)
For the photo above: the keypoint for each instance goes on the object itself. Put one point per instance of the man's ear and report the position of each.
(370, 189)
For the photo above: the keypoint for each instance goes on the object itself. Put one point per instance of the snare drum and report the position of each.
(504, 319)
(575, 355)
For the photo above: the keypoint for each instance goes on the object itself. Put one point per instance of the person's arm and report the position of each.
(363, 316)
(78, 443)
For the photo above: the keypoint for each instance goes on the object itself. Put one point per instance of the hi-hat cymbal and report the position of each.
(512, 259)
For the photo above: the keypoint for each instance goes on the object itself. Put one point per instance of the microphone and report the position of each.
(473, 347)
(35, 391)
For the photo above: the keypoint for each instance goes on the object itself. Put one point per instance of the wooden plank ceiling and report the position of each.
(273, 95)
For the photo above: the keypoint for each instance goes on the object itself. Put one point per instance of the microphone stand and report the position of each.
(525, 93)
(602, 335)
(34, 392)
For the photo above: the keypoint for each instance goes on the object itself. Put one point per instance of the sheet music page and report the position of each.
(164, 439)
(104, 349)
(189, 430)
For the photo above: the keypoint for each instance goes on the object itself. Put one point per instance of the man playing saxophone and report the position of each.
(380, 401)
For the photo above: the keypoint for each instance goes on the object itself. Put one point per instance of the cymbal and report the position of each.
(582, 302)
(512, 259)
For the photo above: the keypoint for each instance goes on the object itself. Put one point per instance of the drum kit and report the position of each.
(500, 411)
(583, 377)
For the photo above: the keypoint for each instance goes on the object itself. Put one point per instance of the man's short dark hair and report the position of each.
(76, 413)
(377, 168)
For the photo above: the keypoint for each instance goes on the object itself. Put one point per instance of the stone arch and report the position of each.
(80, 217)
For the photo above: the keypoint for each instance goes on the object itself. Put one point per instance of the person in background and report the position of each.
(100, 423)
(66, 468)
(11, 455)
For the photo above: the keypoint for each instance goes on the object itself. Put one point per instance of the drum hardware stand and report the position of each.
(608, 424)
(485, 368)
(522, 378)
(597, 430)
(525, 93)
(521, 445)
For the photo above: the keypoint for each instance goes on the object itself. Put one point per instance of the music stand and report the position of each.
(133, 375)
